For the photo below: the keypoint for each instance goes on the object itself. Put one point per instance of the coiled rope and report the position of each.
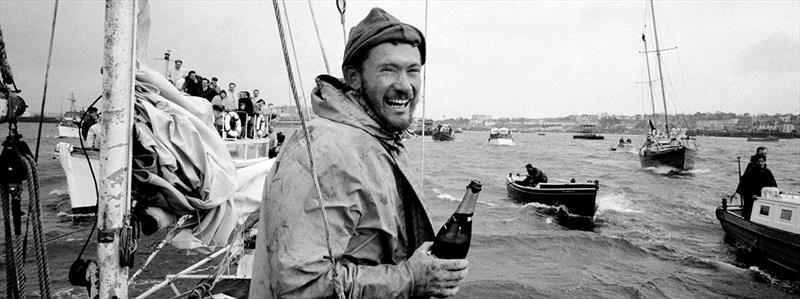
(336, 283)
(11, 194)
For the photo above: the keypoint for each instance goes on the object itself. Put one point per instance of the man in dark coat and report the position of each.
(208, 92)
(754, 179)
(535, 176)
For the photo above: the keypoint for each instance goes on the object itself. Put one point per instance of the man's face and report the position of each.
(231, 86)
(389, 81)
(213, 84)
(205, 83)
(255, 93)
(762, 151)
(761, 163)
(178, 64)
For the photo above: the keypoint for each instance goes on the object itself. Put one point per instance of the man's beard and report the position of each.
(385, 122)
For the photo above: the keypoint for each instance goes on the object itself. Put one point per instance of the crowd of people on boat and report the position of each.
(237, 113)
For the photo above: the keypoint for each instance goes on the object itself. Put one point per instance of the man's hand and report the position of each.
(435, 277)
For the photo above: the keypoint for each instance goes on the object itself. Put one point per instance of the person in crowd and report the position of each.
(260, 109)
(207, 91)
(535, 176)
(215, 84)
(93, 136)
(275, 144)
(379, 230)
(88, 121)
(233, 94)
(256, 95)
(246, 112)
(753, 180)
(218, 105)
(192, 85)
(176, 74)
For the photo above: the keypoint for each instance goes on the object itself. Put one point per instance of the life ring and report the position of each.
(261, 126)
(237, 128)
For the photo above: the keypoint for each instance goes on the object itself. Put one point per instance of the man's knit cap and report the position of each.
(379, 27)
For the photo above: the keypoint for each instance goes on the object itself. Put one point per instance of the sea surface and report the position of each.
(656, 235)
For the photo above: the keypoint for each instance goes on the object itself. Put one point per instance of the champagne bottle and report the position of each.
(452, 241)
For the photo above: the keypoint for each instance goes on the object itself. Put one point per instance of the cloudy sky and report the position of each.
(502, 58)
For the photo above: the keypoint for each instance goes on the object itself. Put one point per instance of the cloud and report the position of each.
(777, 54)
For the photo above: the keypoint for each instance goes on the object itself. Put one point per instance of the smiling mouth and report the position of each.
(398, 103)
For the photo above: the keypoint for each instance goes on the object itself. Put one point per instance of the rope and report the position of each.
(158, 249)
(319, 38)
(94, 179)
(424, 87)
(341, 5)
(336, 283)
(35, 213)
(46, 75)
(15, 276)
(296, 64)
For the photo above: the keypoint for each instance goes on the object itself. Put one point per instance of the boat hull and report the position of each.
(443, 137)
(589, 137)
(579, 199)
(676, 157)
(763, 139)
(501, 141)
(68, 131)
(778, 248)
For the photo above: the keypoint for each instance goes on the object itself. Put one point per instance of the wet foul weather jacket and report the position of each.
(375, 216)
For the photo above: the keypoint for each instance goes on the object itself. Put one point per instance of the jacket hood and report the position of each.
(334, 100)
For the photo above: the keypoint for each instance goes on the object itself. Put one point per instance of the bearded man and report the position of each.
(379, 231)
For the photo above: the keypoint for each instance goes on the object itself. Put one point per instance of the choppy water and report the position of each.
(656, 234)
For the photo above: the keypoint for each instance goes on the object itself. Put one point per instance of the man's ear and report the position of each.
(352, 76)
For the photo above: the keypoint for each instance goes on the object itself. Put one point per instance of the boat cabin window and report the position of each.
(786, 214)
(764, 210)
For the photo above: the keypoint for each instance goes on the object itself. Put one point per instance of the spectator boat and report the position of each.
(444, 133)
(575, 201)
(69, 125)
(588, 132)
(772, 235)
(501, 136)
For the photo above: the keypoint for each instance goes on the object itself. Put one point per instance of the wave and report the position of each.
(450, 197)
(615, 202)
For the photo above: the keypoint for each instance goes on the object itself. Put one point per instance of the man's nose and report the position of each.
(403, 83)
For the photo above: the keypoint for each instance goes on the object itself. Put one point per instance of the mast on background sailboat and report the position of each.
(660, 74)
(649, 79)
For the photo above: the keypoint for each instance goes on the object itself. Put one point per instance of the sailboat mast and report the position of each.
(660, 73)
(115, 154)
(649, 79)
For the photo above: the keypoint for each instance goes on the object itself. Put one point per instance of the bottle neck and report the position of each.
(467, 206)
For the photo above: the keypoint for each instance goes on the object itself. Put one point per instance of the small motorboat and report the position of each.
(576, 201)
(772, 234)
(501, 136)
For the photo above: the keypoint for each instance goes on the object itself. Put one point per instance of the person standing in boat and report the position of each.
(754, 179)
(88, 121)
(379, 229)
(535, 176)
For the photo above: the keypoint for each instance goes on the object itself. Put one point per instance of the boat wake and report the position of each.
(669, 171)
(615, 202)
(450, 197)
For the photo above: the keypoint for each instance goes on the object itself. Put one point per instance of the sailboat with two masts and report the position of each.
(663, 148)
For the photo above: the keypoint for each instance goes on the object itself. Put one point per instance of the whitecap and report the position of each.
(615, 202)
